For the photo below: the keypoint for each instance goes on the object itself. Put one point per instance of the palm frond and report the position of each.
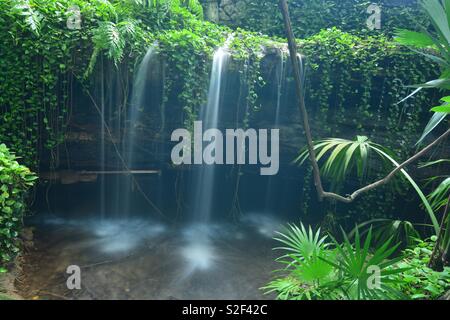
(439, 197)
(343, 155)
(300, 242)
(435, 120)
(413, 39)
(356, 261)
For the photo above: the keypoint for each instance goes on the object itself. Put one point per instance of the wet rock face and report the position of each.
(223, 10)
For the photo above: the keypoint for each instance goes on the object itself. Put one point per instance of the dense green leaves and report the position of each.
(439, 197)
(342, 155)
(311, 16)
(358, 268)
(15, 180)
(318, 269)
(43, 61)
(418, 281)
(435, 46)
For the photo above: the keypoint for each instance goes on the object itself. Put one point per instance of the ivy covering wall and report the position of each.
(43, 58)
(354, 87)
(355, 78)
(311, 16)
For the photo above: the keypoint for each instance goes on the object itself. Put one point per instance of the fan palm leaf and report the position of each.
(343, 155)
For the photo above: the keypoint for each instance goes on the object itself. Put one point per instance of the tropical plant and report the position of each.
(418, 281)
(315, 270)
(400, 231)
(15, 180)
(358, 264)
(344, 155)
(193, 5)
(300, 242)
(436, 47)
(31, 18)
(304, 260)
(112, 38)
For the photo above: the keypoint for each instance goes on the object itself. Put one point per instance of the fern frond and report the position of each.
(107, 37)
(32, 17)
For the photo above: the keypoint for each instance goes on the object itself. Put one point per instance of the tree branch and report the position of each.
(310, 142)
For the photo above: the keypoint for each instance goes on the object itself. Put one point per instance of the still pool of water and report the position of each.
(143, 259)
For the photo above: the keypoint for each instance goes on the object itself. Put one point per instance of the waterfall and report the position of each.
(281, 91)
(138, 101)
(140, 86)
(204, 177)
(281, 77)
(199, 253)
(102, 142)
(302, 69)
(280, 85)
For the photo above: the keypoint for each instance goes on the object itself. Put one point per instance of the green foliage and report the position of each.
(31, 18)
(383, 229)
(353, 87)
(324, 270)
(346, 154)
(439, 197)
(47, 59)
(301, 243)
(355, 263)
(316, 270)
(193, 6)
(312, 16)
(15, 180)
(435, 46)
(419, 281)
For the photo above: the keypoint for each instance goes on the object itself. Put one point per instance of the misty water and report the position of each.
(126, 252)
(144, 259)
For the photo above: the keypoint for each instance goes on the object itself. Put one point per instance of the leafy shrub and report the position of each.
(419, 281)
(317, 268)
(15, 180)
(311, 16)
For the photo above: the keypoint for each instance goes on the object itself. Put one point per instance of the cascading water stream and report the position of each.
(281, 79)
(139, 94)
(204, 179)
(199, 253)
(138, 100)
(281, 89)
(102, 143)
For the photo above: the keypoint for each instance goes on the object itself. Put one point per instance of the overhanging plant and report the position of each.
(441, 23)
(434, 45)
(342, 155)
(319, 269)
(15, 180)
